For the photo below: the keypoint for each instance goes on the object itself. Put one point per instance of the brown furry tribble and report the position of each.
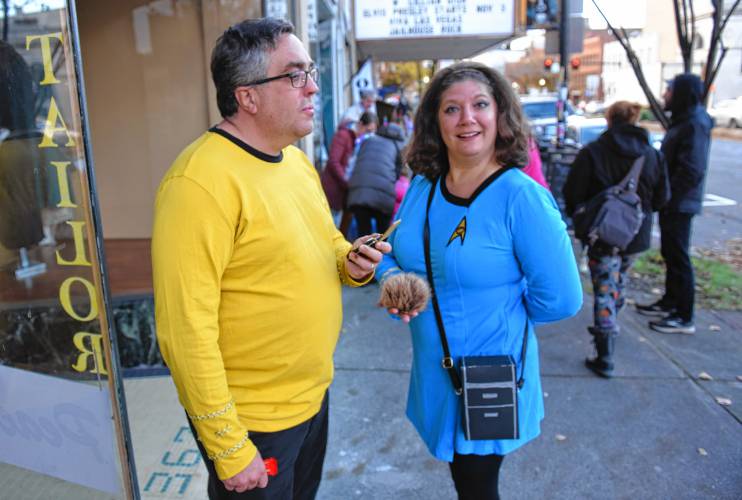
(406, 292)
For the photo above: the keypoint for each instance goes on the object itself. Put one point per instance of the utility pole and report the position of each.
(564, 66)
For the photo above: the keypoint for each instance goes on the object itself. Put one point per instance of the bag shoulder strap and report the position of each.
(447, 361)
(631, 181)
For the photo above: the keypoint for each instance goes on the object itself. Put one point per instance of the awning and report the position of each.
(412, 49)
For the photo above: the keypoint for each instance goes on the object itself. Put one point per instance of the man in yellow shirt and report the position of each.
(248, 268)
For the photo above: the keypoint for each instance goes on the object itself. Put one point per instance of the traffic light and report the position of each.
(575, 62)
(548, 62)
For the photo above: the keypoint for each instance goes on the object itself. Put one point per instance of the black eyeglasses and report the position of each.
(298, 78)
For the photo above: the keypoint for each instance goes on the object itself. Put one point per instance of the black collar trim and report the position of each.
(257, 154)
(465, 202)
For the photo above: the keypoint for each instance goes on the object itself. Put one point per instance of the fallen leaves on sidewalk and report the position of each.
(705, 376)
(715, 328)
(702, 452)
(561, 437)
(724, 401)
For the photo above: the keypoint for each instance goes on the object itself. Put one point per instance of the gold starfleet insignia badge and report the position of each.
(459, 232)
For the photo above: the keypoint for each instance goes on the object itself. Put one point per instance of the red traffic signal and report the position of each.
(548, 62)
(575, 62)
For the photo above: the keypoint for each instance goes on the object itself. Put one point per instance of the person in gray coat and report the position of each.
(371, 193)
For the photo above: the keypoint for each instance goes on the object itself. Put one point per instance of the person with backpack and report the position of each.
(371, 190)
(613, 186)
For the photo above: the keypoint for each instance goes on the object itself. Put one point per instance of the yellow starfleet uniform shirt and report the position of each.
(247, 278)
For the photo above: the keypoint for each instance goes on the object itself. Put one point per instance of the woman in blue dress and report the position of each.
(500, 259)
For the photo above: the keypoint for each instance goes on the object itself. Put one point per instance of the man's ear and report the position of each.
(247, 99)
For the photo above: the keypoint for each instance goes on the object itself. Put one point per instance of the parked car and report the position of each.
(585, 131)
(728, 113)
(541, 112)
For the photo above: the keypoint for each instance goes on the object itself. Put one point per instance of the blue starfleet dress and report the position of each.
(499, 259)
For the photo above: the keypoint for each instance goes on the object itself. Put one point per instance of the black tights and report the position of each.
(476, 476)
(364, 215)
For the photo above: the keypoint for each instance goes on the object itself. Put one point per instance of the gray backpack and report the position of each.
(613, 216)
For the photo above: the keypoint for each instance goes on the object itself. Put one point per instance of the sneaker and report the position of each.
(673, 324)
(655, 309)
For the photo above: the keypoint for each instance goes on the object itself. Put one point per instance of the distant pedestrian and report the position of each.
(371, 191)
(367, 103)
(500, 259)
(401, 187)
(534, 167)
(334, 175)
(686, 147)
(599, 165)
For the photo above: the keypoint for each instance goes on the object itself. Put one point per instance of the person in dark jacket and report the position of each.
(601, 164)
(21, 159)
(371, 191)
(686, 147)
(334, 181)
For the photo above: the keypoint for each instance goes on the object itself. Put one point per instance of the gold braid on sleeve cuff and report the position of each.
(229, 451)
(213, 414)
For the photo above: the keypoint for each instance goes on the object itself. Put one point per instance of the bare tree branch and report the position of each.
(710, 73)
(5, 20)
(685, 27)
(692, 39)
(713, 72)
(623, 39)
(726, 19)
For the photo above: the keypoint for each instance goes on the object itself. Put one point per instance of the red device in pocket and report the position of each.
(271, 466)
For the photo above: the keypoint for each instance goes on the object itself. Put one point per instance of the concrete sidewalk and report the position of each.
(653, 431)
(636, 436)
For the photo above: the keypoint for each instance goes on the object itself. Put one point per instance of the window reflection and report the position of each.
(51, 312)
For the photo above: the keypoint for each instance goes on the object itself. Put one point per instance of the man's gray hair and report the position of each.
(241, 56)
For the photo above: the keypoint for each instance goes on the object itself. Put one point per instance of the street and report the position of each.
(721, 219)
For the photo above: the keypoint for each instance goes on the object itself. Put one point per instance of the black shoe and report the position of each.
(600, 367)
(604, 341)
(656, 309)
(673, 324)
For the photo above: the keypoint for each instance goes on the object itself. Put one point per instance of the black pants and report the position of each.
(300, 453)
(680, 285)
(363, 217)
(476, 476)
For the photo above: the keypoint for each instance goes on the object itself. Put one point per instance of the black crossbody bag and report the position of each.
(488, 385)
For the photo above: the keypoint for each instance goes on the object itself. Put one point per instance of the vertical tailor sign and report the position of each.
(57, 135)
(383, 19)
(62, 413)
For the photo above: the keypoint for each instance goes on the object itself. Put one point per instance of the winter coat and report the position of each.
(606, 161)
(333, 176)
(377, 168)
(534, 168)
(400, 189)
(686, 145)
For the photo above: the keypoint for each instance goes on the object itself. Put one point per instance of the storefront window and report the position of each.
(62, 422)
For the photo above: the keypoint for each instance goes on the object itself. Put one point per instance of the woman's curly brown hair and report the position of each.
(427, 153)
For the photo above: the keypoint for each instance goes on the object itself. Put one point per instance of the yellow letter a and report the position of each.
(50, 128)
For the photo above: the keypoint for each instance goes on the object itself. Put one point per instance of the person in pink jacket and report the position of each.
(333, 177)
(533, 169)
(401, 187)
